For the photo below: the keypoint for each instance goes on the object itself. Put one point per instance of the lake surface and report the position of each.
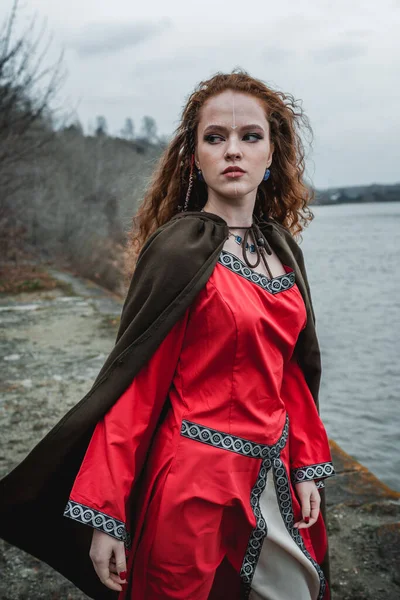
(352, 255)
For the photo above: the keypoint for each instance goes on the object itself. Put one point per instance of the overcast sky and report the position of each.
(342, 58)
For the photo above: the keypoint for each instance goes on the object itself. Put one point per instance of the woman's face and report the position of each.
(233, 131)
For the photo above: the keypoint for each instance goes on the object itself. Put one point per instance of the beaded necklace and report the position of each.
(250, 247)
(261, 248)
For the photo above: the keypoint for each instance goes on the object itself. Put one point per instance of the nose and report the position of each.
(233, 150)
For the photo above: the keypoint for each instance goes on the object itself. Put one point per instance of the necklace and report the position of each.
(261, 248)
(238, 239)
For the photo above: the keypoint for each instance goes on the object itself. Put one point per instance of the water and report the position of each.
(352, 255)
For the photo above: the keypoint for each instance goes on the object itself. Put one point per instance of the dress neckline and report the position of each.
(274, 285)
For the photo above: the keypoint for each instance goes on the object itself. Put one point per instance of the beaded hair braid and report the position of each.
(191, 146)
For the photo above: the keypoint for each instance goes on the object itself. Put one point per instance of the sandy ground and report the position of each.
(53, 344)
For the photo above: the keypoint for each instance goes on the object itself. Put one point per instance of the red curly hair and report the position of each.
(284, 196)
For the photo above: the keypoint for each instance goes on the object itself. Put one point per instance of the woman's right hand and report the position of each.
(108, 558)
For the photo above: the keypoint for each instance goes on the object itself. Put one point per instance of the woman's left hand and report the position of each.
(310, 501)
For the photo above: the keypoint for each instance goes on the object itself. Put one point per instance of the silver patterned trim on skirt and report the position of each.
(270, 457)
(285, 506)
(233, 443)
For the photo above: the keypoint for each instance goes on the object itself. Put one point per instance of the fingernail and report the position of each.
(307, 519)
(123, 574)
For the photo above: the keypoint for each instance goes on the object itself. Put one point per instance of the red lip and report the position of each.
(233, 169)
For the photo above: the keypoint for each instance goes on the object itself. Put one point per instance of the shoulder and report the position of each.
(173, 263)
(288, 236)
(179, 251)
(185, 236)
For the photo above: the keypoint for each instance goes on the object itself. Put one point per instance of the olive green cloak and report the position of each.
(173, 266)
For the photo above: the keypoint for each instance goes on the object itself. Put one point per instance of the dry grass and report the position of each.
(15, 279)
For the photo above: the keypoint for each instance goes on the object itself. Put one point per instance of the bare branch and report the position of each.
(27, 88)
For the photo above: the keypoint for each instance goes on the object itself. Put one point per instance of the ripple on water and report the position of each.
(351, 258)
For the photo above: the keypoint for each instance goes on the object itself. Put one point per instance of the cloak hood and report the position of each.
(173, 266)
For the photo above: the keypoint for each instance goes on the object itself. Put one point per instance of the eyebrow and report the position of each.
(223, 128)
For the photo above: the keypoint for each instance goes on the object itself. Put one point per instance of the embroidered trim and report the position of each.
(312, 472)
(286, 508)
(274, 285)
(233, 443)
(97, 520)
(245, 447)
(270, 456)
(258, 534)
(320, 485)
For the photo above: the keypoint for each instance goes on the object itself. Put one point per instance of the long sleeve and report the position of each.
(310, 456)
(101, 489)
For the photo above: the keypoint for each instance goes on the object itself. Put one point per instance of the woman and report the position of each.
(197, 458)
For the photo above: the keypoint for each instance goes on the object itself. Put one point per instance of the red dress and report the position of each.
(240, 421)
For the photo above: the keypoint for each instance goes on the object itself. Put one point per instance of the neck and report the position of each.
(233, 212)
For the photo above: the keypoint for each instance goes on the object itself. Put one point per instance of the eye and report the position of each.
(210, 138)
(213, 138)
(254, 135)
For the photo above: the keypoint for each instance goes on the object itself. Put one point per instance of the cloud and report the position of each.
(181, 59)
(162, 65)
(276, 54)
(338, 52)
(102, 38)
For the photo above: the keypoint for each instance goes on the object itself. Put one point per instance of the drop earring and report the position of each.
(266, 175)
(199, 175)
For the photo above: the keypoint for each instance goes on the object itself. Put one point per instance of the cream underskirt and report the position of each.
(283, 572)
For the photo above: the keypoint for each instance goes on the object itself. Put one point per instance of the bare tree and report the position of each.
(64, 195)
(128, 131)
(149, 129)
(101, 126)
(27, 89)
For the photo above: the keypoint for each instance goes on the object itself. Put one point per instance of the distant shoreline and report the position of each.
(352, 201)
(358, 194)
